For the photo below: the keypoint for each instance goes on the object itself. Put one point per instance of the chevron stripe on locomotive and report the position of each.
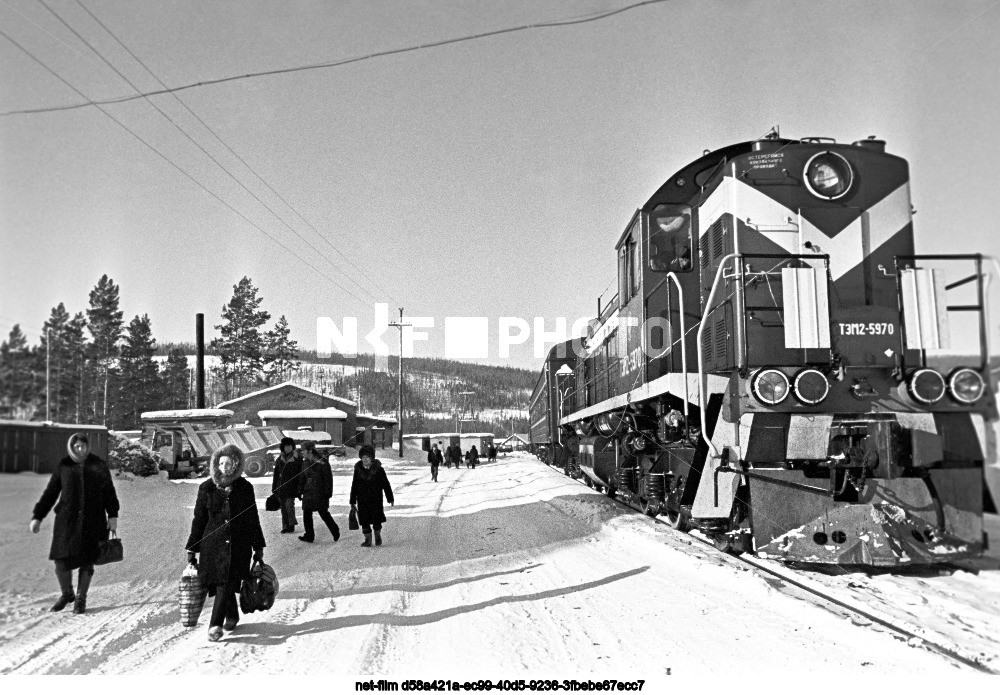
(778, 369)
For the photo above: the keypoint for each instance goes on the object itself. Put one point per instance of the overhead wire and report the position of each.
(593, 17)
(176, 166)
(237, 156)
(199, 146)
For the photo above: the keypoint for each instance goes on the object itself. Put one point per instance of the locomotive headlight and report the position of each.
(770, 386)
(966, 385)
(811, 386)
(828, 175)
(926, 386)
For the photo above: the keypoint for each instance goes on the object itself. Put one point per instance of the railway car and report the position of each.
(771, 369)
(552, 398)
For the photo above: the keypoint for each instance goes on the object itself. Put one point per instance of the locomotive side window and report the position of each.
(670, 238)
(628, 266)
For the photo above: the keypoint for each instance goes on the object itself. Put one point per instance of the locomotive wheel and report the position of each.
(676, 520)
(649, 508)
(722, 543)
(255, 466)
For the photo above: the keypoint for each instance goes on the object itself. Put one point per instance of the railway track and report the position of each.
(800, 581)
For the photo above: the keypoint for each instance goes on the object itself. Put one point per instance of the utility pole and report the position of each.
(48, 350)
(399, 405)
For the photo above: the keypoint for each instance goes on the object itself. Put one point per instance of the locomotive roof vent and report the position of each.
(768, 145)
(872, 143)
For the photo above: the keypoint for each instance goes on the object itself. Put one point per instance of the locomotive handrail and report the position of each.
(684, 363)
(701, 352)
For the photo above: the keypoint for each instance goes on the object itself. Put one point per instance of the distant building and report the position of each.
(40, 446)
(375, 430)
(329, 420)
(286, 397)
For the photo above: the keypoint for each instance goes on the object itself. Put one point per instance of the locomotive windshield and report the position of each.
(670, 238)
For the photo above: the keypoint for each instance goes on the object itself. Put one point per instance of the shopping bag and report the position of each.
(259, 591)
(111, 550)
(272, 503)
(352, 520)
(191, 593)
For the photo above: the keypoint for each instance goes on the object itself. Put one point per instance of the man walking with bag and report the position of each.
(316, 490)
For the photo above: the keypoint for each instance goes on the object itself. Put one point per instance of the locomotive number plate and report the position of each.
(874, 328)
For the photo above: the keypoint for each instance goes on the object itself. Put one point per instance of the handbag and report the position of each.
(258, 592)
(191, 593)
(111, 550)
(273, 503)
(352, 520)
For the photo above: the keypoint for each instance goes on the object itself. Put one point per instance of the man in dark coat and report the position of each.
(316, 489)
(456, 455)
(435, 458)
(226, 531)
(87, 511)
(473, 456)
(367, 487)
(286, 483)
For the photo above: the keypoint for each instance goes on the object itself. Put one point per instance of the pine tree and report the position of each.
(282, 357)
(175, 377)
(139, 386)
(241, 345)
(105, 324)
(18, 398)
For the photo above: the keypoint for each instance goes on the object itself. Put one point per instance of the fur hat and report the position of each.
(233, 452)
(78, 437)
(366, 450)
(286, 440)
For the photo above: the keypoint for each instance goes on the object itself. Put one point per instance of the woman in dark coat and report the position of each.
(367, 487)
(316, 489)
(473, 456)
(285, 483)
(86, 512)
(226, 531)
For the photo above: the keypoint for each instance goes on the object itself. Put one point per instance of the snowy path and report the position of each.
(507, 571)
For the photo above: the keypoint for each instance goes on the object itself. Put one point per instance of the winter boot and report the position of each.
(368, 540)
(378, 537)
(307, 539)
(65, 578)
(215, 633)
(335, 530)
(83, 584)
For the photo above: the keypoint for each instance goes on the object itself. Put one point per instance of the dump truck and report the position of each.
(185, 450)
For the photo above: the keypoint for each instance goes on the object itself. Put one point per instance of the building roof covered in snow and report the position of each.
(234, 401)
(186, 414)
(313, 414)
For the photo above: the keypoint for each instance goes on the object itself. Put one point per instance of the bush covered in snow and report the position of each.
(132, 457)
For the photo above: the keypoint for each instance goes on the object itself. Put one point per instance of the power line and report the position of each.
(198, 145)
(232, 152)
(176, 166)
(343, 61)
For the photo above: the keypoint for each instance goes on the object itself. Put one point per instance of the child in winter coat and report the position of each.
(367, 487)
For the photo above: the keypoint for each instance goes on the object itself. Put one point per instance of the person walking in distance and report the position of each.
(367, 487)
(435, 458)
(316, 490)
(286, 484)
(456, 455)
(473, 456)
(445, 454)
(225, 531)
(86, 513)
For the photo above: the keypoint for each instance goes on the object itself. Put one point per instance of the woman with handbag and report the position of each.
(226, 532)
(367, 487)
(87, 510)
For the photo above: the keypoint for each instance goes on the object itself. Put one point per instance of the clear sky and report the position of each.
(488, 177)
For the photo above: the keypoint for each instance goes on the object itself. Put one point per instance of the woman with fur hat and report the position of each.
(286, 483)
(226, 531)
(87, 511)
(316, 490)
(367, 487)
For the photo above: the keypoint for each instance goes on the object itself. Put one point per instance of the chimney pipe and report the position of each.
(199, 329)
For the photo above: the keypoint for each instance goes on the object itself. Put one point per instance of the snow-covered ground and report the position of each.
(509, 571)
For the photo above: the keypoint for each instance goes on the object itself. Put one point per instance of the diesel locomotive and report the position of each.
(779, 368)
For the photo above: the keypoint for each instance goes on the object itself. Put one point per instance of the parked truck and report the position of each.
(185, 444)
